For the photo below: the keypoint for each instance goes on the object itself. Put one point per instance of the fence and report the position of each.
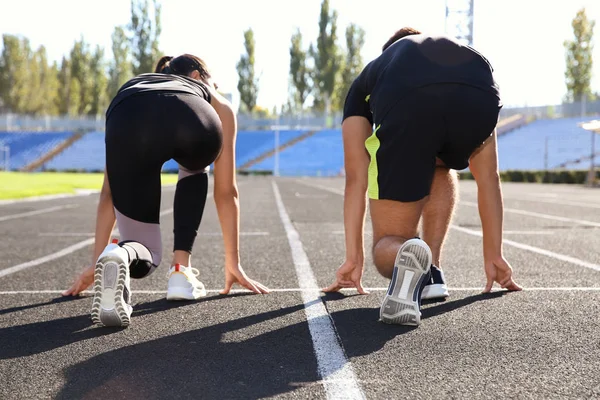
(566, 110)
(16, 122)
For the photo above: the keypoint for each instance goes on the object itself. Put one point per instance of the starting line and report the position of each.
(299, 290)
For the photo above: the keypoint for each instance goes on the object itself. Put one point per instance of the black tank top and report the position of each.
(165, 83)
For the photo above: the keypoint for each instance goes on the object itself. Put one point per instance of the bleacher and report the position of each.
(26, 147)
(521, 148)
(319, 155)
(525, 148)
(88, 153)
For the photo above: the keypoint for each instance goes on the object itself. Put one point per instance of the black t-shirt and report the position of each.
(412, 62)
(166, 83)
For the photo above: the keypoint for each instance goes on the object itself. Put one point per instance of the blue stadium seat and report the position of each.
(88, 153)
(524, 148)
(319, 155)
(27, 147)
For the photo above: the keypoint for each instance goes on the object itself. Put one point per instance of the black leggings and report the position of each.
(142, 133)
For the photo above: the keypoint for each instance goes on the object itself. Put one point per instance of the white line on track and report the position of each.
(557, 256)
(334, 368)
(540, 215)
(79, 234)
(37, 212)
(299, 290)
(555, 201)
(48, 197)
(533, 249)
(61, 253)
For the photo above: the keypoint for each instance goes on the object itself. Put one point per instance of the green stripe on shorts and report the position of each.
(372, 145)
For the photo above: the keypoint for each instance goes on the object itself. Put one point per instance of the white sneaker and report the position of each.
(402, 302)
(183, 284)
(112, 296)
(436, 288)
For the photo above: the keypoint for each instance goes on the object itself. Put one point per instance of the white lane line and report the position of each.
(554, 201)
(61, 253)
(557, 256)
(37, 212)
(45, 259)
(65, 234)
(334, 368)
(528, 232)
(49, 197)
(79, 234)
(298, 290)
(539, 215)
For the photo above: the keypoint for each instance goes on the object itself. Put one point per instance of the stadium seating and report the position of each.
(522, 148)
(525, 148)
(26, 147)
(87, 154)
(319, 155)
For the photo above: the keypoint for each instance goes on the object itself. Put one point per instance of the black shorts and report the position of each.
(447, 121)
(148, 129)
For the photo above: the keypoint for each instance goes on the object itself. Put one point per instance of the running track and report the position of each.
(295, 342)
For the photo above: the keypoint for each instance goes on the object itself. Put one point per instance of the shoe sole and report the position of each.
(109, 307)
(435, 291)
(184, 294)
(401, 304)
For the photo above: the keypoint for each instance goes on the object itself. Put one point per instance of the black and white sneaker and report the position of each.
(112, 295)
(436, 287)
(402, 302)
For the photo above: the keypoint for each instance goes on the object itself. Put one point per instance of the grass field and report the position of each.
(17, 185)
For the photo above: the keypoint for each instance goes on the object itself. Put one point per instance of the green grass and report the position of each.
(18, 185)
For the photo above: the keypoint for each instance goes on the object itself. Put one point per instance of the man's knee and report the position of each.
(384, 251)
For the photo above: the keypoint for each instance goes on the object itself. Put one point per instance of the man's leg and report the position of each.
(439, 209)
(394, 223)
(400, 256)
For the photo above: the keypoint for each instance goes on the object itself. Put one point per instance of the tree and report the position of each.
(34, 87)
(48, 83)
(247, 82)
(68, 97)
(119, 70)
(80, 71)
(145, 34)
(327, 59)
(579, 51)
(299, 73)
(99, 82)
(353, 65)
(14, 73)
(64, 80)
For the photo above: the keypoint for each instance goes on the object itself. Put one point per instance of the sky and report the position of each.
(523, 39)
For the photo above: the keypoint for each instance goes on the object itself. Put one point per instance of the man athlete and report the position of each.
(434, 106)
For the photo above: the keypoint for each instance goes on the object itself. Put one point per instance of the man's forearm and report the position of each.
(355, 202)
(491, 211)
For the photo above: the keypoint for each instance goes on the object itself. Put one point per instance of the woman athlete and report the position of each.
(173, 113)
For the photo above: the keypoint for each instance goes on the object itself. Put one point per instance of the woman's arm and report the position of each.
(226, 196)
(105, 220)
(105, 224)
